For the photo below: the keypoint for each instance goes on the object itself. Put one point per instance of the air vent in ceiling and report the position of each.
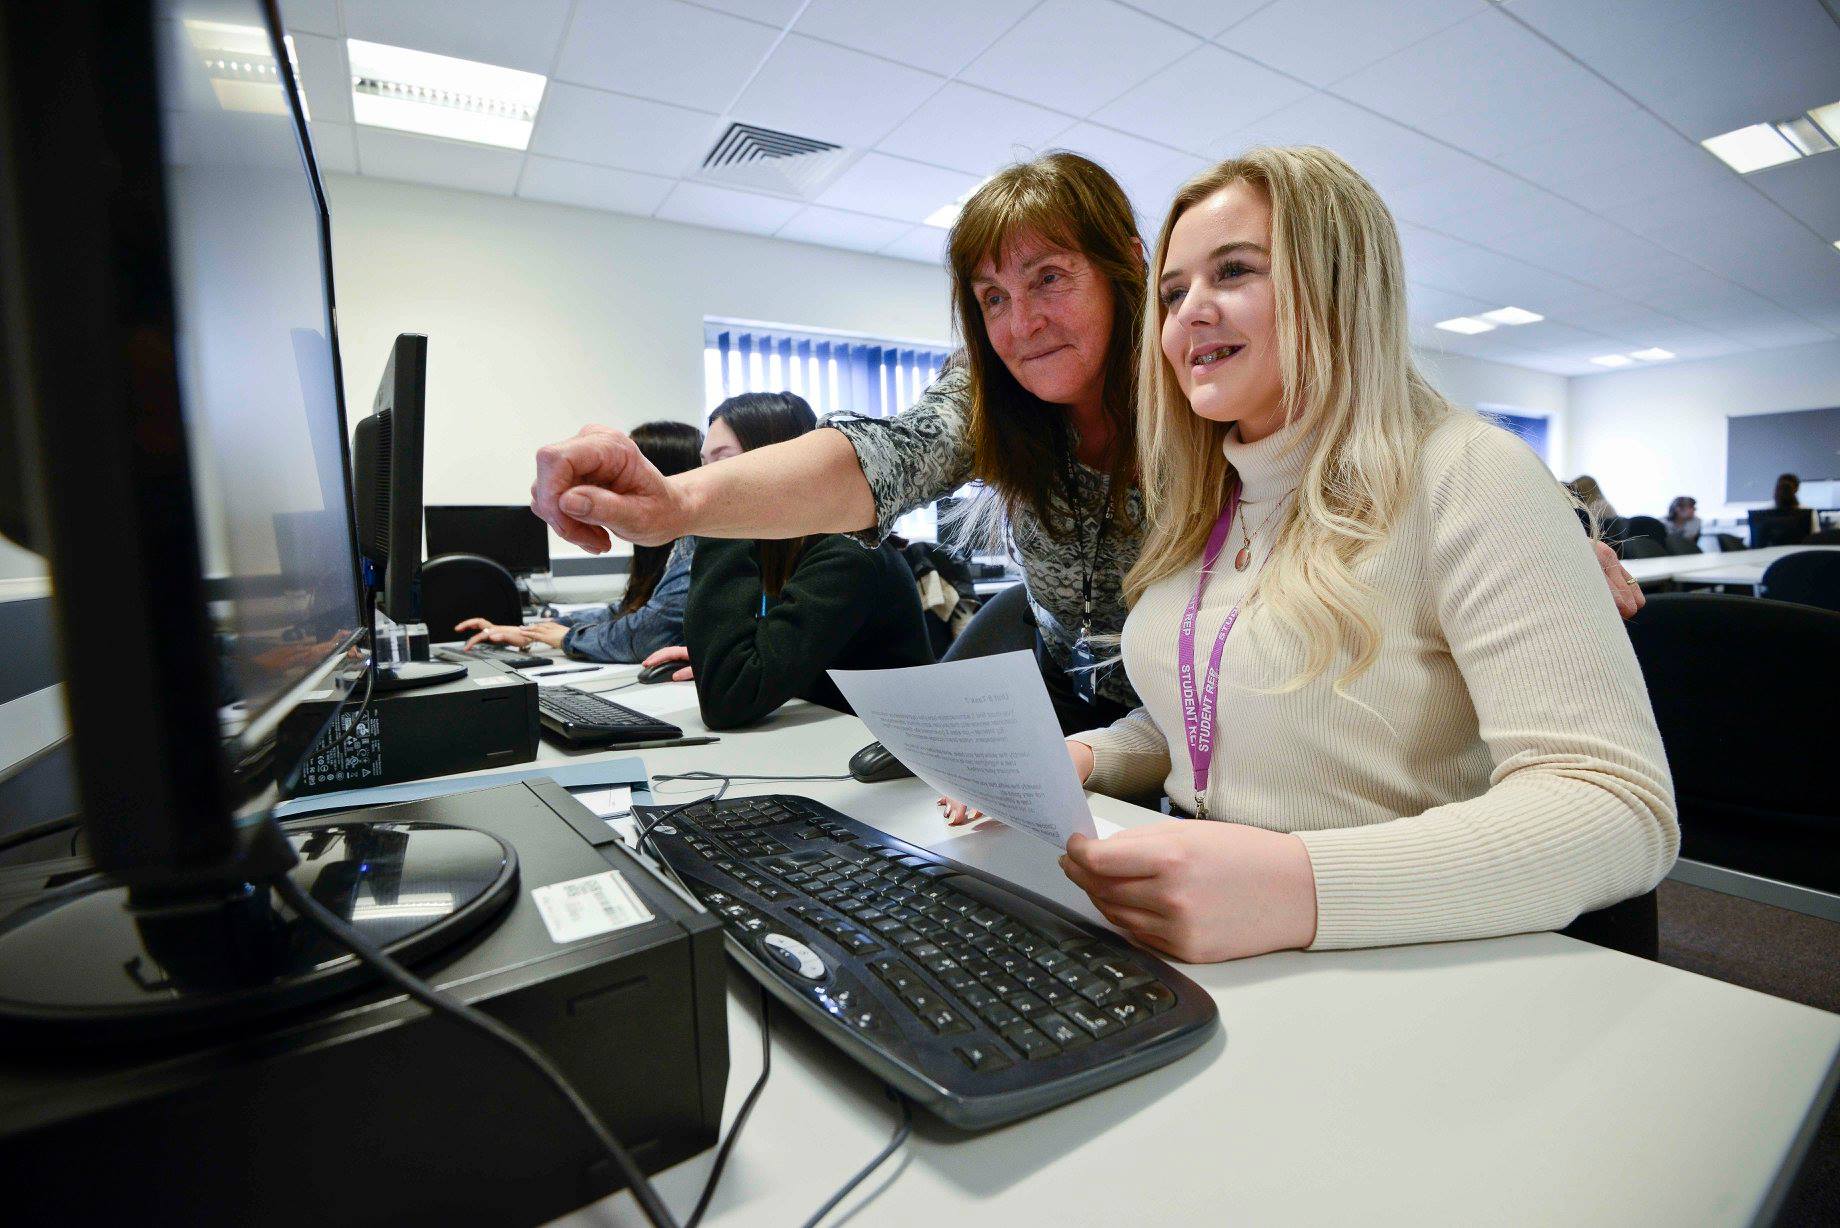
(779, 162)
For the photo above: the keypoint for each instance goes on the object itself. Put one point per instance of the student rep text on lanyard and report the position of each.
(1200, 708)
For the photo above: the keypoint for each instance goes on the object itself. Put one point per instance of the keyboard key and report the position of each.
(1063, 1033)
(958, 980)
(988, 917)
(981, 1057)
(1099, 993)
(1098, 1022)
(939, 964)
(922, 949)
(1030, 1043)
(999, 1015)
(1051, 959)
(857, 943)
(946, 1022)
(1155, 997)
(921, 1000)
(1127, 1013)
(977, 997)
(1026, 1004)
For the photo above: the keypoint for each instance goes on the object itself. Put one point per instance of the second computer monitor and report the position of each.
(511, 536)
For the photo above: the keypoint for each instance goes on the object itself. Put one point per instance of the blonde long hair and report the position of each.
(1347, 370)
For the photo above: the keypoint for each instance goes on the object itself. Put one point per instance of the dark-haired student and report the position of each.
(766, 619)
(650, 614)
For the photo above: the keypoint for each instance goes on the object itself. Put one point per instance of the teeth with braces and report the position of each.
(1213, 356)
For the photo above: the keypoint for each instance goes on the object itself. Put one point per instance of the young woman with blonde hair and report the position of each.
(1413, 716)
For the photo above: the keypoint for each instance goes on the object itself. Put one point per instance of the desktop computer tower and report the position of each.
(485, 719)
(370, 1110)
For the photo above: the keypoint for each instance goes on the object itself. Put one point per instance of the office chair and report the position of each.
(1736, 683)
(456, 587)
(1642, 547)
(1003, 623)
(1646, 526)
(1807, 577)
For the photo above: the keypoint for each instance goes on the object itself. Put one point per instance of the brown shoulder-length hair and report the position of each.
(1020, 443)
(673, 447)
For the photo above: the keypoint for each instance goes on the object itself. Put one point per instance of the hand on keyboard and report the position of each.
(525, 637)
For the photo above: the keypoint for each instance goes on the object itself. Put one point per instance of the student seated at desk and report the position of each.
(650, 614)
(766, 618)
(1371, 646)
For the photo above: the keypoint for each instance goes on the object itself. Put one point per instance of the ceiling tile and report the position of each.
(1594, 150)
(1705, 66)
(383, 154)
(773, 12)
(325, 77)
(941, 36)
(836, 228)
(926, 244)
(1389, 155)
(1678, 171)
(631, 133)
(895, 188)
(1529, 209)
(661, 49)
(1151, 191)
(1126, 157)
(1809, 189)
(974, 130)
(1321, 41)
(333, 147)
(592, 187)
(311, 16)
(1078, 55)
(699, 204)
(1183, 106)
(1485, 85)
(1432, 304)
(1471, 187)
(832, 93)
(470, 29)
(1204, 17)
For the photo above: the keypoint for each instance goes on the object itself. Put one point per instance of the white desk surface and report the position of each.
(1528, 1080)
(1732, 567)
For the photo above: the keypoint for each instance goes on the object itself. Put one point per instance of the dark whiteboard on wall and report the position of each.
(1759, 447)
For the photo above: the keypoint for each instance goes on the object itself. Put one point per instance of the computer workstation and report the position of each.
(1342, 1090)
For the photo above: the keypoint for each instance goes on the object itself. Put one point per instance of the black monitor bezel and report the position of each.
(508, 511)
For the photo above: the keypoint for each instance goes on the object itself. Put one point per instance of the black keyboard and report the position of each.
(979, 1000)
(581, 719)
(503, 656)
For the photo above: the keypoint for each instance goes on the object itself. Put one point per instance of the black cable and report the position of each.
(900, 1136)
(645, 833)
(38, 831)
(747, 1106)
(378, 961)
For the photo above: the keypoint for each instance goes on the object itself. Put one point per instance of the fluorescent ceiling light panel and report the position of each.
(240, 66)
(438, 95)
(1657, 354)
(1512, 316)
(1753, 148)
(1806, 135)
(1614, 360)
(1829, 119)
(1464, 324)
(945, 215)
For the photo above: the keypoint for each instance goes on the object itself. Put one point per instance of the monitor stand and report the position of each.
(86, 963)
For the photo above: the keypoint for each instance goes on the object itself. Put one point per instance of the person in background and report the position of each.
(1426, 723)
(1589, 493)
(766, 619)
(1788, 492)
(1683, 525)
(650, 613)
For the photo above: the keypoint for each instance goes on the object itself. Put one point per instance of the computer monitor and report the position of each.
(174, 373)
(513, 537)
(1772, 527)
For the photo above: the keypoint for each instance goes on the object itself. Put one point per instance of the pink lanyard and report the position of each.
(1198, 711)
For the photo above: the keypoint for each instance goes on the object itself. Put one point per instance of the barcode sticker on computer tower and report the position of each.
(585, 907)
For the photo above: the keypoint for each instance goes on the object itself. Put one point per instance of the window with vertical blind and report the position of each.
(872, 376)
(834, 371)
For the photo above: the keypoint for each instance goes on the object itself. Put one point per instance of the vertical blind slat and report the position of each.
(876, 379)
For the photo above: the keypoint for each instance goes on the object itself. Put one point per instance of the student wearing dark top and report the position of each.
(650, 614)
(766, 619)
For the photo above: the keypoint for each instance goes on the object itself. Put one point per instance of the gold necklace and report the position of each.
(1243, 559)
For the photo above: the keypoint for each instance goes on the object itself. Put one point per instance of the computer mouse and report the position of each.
(660, 673)
(874, 763)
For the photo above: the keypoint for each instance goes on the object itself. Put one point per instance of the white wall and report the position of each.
(16, 562)
(541, 317)
(1476, 382)
(1652, 434)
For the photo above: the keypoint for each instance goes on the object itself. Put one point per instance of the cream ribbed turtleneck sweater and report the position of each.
(1501, 771)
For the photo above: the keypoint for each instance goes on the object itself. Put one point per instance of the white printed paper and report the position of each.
(612, 803)
(585, 907)
(981, 731)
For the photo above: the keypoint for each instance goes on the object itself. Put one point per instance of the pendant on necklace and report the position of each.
(1243, 558)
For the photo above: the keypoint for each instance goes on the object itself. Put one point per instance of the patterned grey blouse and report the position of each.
(924, 453)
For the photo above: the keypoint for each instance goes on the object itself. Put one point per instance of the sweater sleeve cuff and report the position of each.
(1128, 760)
